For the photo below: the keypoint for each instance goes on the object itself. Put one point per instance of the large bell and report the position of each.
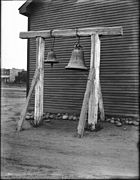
(77, 59)
(51, 58)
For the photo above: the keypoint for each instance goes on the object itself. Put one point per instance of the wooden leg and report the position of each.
(40, 84)
(23, 114)
(94, 97)
(94, 100)
(83, 114)
(92, 58)
(90, 107)
(101, 105)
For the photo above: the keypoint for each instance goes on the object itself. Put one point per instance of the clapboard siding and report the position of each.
(64, 89)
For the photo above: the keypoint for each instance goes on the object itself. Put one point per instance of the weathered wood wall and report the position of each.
(64, 89)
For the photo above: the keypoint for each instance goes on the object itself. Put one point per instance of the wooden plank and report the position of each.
(38, 113)
(118, 30)
(23, 114)
(92, 58)
(101, 105)
(94, 95)
(83, 114)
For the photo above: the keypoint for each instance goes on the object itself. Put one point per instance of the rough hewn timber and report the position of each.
(23, 114)
(72, 32)
(38, 113)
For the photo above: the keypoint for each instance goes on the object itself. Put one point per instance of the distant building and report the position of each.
(8, 75)
(13, 73)
(21, 77)
(5, 75)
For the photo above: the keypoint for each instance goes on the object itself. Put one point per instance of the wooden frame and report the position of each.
(23, 113)
(93, 96)
(40, 84)
(95, 65)
(72, 32)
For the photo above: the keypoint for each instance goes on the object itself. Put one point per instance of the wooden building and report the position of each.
(119, 71)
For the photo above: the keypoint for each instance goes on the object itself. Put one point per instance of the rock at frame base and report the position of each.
(135, 123)
(27, 117)
(71, 117)
(118, 124)
(74, 118)
(65, 117)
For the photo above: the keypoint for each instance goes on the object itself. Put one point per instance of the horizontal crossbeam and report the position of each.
(73, 32)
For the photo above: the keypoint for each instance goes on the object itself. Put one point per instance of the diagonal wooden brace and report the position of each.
(23, 114)
(83, 114)
(93, 96)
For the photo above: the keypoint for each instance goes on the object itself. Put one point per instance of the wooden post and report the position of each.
(101, 105)
(118, 30)
(38, 113)
(23, 114)
(94, 95)
(83, 114)
(92, 58)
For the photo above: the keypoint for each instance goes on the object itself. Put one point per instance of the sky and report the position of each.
(13, 49)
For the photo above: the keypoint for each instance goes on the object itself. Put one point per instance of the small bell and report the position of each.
(77, 59)
(51, 58)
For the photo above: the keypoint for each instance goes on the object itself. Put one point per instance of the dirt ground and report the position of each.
(51, 151)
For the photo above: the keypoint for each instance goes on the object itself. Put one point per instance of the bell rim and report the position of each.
(50, 61)
(76, 68)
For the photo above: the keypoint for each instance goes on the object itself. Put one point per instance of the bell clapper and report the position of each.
(51, 65)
